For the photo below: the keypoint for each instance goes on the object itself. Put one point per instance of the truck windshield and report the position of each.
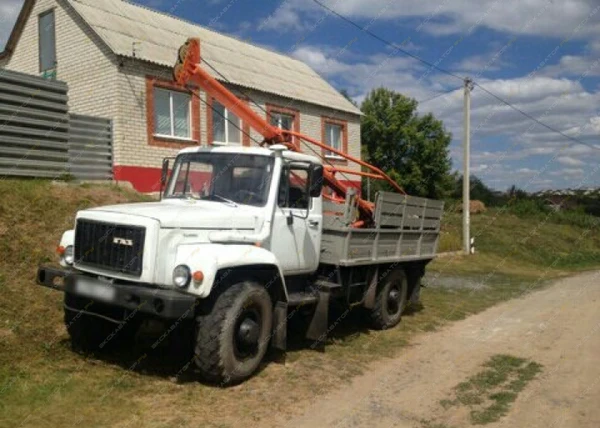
(227, 178)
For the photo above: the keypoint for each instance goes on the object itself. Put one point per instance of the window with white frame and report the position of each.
(282, 121)
(334, 137)
(226, 126)
(172, 116)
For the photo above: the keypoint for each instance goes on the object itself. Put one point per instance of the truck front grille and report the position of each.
(109, 246)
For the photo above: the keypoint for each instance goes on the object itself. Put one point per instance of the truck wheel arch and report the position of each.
(268, 275)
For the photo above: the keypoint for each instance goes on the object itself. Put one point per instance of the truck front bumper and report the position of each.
(144, 298)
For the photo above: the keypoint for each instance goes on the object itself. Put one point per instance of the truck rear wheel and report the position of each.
(233, 337)
(390, 300)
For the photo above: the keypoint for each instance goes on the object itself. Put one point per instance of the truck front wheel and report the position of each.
(390, 300)
(233, 337)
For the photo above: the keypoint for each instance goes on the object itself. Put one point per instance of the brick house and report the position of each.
(117, 56)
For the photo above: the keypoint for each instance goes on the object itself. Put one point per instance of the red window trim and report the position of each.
(166, 142)
(209, 123)
(344, 124)
(274, 108)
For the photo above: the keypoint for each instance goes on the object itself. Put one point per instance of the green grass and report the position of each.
(490, 393)
(43, 382)
(527, 245)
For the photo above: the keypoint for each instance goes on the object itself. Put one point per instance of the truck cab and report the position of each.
(227, 216)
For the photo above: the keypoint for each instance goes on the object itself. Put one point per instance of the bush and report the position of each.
(527, 207)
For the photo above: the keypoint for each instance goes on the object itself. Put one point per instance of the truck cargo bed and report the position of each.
(406, 228)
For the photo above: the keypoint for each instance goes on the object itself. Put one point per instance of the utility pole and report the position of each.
(466, 168)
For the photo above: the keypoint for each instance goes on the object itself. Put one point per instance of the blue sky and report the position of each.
(541, 55)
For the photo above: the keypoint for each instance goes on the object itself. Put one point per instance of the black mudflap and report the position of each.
(319, 324)
(279, 339)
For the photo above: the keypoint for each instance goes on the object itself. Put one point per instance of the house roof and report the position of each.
(135, 31)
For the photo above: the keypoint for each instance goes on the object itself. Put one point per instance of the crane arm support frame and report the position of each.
(188, 71)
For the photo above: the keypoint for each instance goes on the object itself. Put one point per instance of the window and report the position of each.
(282, 121)
(225, 125)
(47, 42)
(284, 118)
(335, 135)
(293, 189)
(172, 114)
(228, 179)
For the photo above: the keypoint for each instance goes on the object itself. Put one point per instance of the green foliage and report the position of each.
(479, 192)
(490, 393)
(346, 95)
(411, 148)
(527, 207)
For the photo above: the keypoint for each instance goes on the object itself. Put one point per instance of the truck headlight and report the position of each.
(182, 276)
(69, 255)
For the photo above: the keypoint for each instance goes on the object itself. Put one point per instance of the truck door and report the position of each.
(298, 222)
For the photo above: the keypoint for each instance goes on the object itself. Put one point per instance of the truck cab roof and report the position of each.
(260, 151)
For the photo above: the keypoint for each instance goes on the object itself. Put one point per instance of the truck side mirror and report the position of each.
(164, 176)
(316, 180)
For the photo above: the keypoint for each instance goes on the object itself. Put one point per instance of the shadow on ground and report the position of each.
(160, 351)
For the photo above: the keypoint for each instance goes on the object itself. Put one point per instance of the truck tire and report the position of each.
(233, 337)
(390, 300)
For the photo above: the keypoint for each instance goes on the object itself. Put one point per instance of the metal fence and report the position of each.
(39, 138)
(90, 148)
(34, 126)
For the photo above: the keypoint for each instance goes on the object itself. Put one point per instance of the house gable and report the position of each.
(83, 61)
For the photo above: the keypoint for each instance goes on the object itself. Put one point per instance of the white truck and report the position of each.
(241, 237)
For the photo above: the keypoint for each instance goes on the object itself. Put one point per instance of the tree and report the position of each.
(411, 148)
(479, 191)
(346, 95)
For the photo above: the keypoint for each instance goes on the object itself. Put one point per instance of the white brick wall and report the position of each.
(100, 84)
(131, 129)
(83, 61)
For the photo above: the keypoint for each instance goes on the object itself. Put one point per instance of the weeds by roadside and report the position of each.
(490, 393)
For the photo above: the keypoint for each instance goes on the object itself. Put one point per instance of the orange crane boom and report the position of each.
(188, 71)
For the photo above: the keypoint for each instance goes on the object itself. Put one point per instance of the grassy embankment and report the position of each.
(44, 383)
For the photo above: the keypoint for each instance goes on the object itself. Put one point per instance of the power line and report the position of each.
(539, 122)
(263, 109)
(213, 68)
(387, 42)
(227, 119)
(449, 73)
(439, 95)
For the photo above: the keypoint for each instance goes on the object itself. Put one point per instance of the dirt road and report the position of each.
(558, 327)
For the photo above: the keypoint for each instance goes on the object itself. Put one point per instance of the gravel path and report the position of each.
(558, 327)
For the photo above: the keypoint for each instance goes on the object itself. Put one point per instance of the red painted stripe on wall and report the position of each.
(143, 179)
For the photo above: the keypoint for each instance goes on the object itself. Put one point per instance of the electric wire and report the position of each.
(449, 73)
(247, 134)
(539, 122)
(323, 157)
(440, 94)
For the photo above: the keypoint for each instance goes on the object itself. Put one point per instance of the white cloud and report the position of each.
(569, 161)
(474, 64)
(571, 18)
(9, 10)
(575, 65)
(284, 18)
